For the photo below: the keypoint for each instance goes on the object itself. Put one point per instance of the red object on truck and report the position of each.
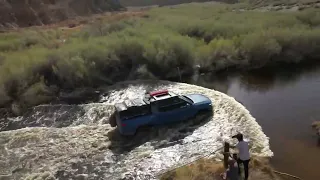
(156, 93)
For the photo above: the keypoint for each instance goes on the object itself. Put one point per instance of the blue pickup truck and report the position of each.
(157, 108)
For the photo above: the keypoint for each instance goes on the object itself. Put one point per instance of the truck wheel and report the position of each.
(200, 116)
(142, 129)
(199, 113)
(112, 120)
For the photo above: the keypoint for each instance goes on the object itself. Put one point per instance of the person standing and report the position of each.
(244, 154)
(232, 171)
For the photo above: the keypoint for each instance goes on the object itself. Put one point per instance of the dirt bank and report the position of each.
(316, 126)
(17, 13)
(260, 169)
(135, 3)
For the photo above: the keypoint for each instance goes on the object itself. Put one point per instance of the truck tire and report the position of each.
(142, 129)
(203, 111)
(112, 120)
(201, 115)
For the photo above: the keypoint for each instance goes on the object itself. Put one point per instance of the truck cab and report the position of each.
(158, 108)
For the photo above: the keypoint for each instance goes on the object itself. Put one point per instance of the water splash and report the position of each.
(61, 116)
(87, 146)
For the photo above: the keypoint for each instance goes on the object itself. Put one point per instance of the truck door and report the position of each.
(174, 111)
(182, 111)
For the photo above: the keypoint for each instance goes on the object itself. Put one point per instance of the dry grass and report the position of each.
(281, 2)
(316, 125)
(263, 165)
(206, 169)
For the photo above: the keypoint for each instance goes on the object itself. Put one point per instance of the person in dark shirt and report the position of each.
(232, 171)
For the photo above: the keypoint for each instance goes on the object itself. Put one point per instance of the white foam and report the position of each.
(229, 118)
(148, 159)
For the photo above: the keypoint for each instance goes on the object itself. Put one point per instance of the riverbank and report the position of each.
(316, 126)
(211, 169)
(162, 43)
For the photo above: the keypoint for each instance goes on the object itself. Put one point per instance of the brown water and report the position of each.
(285, 103)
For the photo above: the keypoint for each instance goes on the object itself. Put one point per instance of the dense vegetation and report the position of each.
(35, 64)
(281, 2)
(158, 2)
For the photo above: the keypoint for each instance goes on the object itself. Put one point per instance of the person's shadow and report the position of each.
(158, 136)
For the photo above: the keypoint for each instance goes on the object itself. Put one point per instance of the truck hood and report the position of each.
(199, 98)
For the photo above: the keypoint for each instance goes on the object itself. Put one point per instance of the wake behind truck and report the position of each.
(157, 108)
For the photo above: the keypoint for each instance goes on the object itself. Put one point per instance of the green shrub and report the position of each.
(297, 45)
(28, 39)
(259, 48)
(310, 17)
(114, 57)
(165, 54)
(70, 69)
(101, 28)
(9, 42)
(36, 94)
(4, 96)
(218, 54)
(16, 72)
(9, 45)
(214, 37)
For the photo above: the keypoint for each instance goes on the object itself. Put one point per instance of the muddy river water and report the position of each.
(284, 103)
(75, 141)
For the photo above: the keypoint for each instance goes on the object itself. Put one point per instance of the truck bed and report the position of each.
(127, 104)
(132, 108)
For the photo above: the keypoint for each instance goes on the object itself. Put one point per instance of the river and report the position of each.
(76, 140)
(284, 101)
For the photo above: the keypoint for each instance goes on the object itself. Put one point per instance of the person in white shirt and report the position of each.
(244, 155)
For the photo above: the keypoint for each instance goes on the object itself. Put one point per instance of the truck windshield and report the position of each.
(186, 99)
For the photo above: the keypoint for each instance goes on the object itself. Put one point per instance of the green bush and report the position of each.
(297, 45)
(16, 72)
(164, 54)
(259, 48)
(39, 90)
(29, 38)
(214, 37)
(101, 28)
(9, 45)
(218, 54)
(310, 17)
(114, 57)
(4, 96)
